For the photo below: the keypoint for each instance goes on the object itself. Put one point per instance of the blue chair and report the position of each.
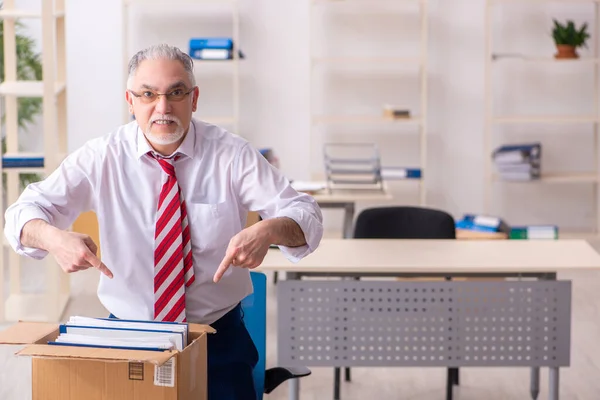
(254, 307)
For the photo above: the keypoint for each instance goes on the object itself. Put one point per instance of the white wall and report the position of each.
(96, 93)
(275, 90)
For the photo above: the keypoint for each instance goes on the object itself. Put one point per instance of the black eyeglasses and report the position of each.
(150, 96)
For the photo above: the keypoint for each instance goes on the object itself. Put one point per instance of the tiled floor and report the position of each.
(580, 381)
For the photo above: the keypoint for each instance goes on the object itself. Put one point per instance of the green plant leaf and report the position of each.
(568, 34)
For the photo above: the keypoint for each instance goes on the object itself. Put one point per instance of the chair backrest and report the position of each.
(254, 307)
(404, 222)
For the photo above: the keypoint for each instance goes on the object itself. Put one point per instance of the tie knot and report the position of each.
(166, 163)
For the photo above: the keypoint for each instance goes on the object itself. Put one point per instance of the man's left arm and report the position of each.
(283, 231)
(291, 220)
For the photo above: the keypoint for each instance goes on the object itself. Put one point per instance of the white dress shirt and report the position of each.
(221, 176)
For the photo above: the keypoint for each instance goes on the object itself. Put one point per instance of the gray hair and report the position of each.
(161, 51)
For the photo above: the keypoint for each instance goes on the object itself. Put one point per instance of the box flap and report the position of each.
(94, 353)
(26, 332)
(200, 328)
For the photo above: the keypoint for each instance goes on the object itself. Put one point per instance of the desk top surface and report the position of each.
(318, 190)
(459, 256)
(350, 196)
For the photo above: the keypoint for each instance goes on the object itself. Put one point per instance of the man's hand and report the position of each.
(73, 251)
(76, 252)
(247, 249)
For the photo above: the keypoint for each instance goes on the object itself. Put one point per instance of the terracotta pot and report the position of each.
(565, 51)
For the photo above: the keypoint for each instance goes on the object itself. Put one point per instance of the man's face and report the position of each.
(164, 119)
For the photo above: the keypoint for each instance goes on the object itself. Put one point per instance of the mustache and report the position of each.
(166, 118)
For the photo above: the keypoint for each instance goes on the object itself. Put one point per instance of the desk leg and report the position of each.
(348, 220)
(535, 382)
(553, 381)
(348, 234)
(294, 385)
(336, 383)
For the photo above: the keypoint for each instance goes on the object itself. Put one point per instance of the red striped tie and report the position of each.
(173, 269)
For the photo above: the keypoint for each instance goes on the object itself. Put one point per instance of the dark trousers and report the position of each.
(232, 356)
(231, 359)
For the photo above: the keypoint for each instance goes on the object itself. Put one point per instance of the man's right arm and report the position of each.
(35, 224)
(37, 233)
(73, 251)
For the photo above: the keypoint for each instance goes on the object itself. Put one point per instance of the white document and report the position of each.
(172, 327)
(175, 338)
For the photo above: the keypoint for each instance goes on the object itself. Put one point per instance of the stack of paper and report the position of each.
(352, 166)
(122, 334)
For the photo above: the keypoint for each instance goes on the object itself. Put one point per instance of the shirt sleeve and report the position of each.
(58, 199)
(263, 188)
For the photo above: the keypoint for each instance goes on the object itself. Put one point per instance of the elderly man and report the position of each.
(171, 194)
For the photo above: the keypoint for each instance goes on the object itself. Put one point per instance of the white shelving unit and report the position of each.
(231, 120)
(493, 121)
(49, 305)
(417, 61)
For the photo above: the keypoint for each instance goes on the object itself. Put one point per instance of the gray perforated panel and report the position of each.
(400, 323)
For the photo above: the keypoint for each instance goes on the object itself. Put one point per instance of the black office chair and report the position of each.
(404, 222)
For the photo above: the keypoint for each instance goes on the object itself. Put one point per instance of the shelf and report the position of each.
(218, 120)
(13, 14)
(30, 307)
(582, 177)
(175, 2)
(369, 115)
(542, 1)
(229, 61)
(582, 235)
(24, 170)
(28, 88)
(547, 119)
(365, 2)
(363, 119)
(544, 60)
(366, 60)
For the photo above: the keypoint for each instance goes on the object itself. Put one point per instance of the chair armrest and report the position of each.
(277, 375)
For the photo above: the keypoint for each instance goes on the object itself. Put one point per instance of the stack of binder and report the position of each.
(122, 334)
(518, 162)
(212, 48)
(483, 223)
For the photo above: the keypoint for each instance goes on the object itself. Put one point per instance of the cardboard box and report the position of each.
(76, 373)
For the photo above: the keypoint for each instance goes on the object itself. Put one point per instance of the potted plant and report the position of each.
(568, 38)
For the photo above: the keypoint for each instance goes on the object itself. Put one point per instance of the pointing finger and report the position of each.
(91, 245)
(96, 263)
(224, 266)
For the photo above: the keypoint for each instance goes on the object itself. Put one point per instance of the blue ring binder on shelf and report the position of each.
(212, 48)
(22, 161)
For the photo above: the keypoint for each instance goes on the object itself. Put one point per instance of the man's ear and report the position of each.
(195, 95)
(129, 99)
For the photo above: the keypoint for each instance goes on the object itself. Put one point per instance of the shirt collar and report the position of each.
(186, 147)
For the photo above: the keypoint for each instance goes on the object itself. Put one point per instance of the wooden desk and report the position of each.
(447, 258)
(442, 257)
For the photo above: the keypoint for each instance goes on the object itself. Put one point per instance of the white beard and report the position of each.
(164, 138)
